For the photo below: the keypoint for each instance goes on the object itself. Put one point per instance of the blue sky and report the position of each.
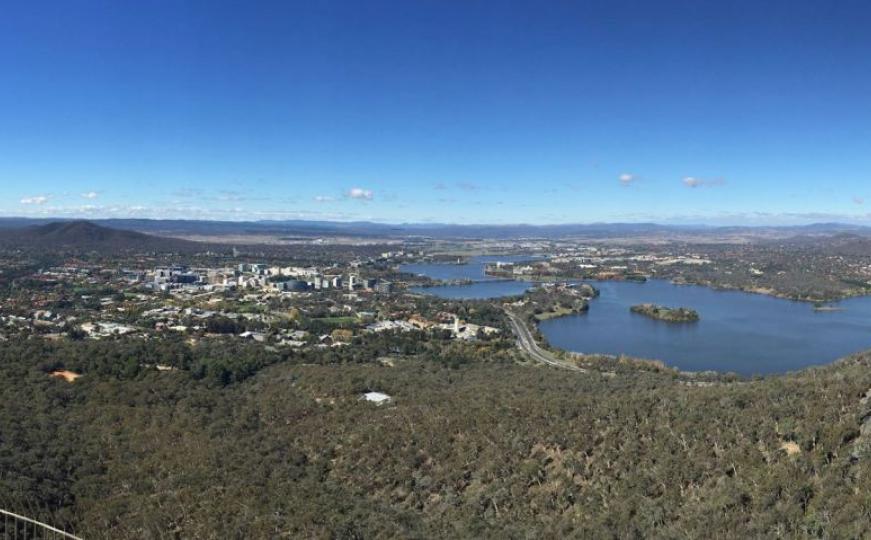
(447, 111)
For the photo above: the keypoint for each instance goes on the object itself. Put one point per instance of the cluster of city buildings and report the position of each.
(258, 276)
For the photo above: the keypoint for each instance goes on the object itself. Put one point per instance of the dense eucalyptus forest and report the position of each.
(237, 441)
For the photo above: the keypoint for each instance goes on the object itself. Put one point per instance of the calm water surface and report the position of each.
(484, 287)
(474, 270)
(476, 291)
(740, 332)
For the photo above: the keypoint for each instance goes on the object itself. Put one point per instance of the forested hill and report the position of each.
(468, 449)
(87, 236)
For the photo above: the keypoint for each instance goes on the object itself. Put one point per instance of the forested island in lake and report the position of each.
(668, 314)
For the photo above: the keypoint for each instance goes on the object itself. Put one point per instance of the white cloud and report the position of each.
(323, 198)
(229, 196)
(858, 200)
(187, 193)
(693, 182)
(90, 195)
(361, 194)
(37, 199)
(626, 179)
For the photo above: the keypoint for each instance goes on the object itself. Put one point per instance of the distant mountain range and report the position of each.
(301, 228)
(77, 232)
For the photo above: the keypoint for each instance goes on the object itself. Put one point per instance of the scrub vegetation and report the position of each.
(245, 443)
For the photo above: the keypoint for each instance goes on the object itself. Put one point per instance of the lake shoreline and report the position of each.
(747, 332)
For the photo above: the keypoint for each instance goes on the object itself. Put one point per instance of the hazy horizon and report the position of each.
(434, 224)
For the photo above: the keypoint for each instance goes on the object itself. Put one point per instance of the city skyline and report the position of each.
(438, 112)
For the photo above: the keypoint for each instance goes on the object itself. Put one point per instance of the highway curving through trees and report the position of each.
(527, 344)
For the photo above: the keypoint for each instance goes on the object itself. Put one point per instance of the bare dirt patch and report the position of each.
(68, 376)
(791, 448)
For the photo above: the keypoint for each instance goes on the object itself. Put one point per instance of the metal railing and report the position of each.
(18, 527)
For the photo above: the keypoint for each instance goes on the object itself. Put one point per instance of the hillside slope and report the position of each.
(480, 451)
(84, 235)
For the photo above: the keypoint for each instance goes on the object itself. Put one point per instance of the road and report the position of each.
(527, 344)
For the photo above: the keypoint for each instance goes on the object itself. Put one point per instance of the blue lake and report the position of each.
(473, 270)
(738, 332)
(484, 287)
(476, 291)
